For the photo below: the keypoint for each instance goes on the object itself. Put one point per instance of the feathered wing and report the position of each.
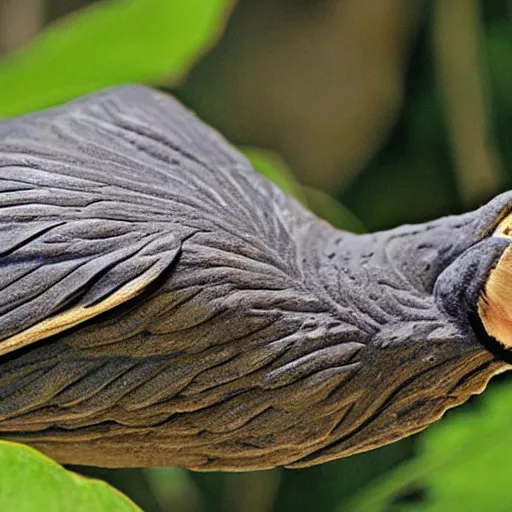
(109, 195)
(88, 218)
(247, 349)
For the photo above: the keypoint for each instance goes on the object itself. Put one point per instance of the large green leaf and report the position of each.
(109, 43)
(31, 482)
(464, 463)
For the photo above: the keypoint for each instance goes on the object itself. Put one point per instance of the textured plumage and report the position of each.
(163, 304)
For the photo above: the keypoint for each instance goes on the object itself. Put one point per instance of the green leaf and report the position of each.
(474, 455)
(31, 482)
(463, 463)
(109, 43)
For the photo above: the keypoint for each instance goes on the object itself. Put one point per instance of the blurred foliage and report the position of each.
(464, 463)
(31, 482)
(106, 44)
(319, 81)
(367, 110)
(413, 178)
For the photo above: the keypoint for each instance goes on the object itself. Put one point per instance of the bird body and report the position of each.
(163, 304)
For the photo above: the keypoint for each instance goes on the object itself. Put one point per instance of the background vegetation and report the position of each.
(374, 113)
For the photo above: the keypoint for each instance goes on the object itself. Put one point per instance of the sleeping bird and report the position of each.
(162, 304)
